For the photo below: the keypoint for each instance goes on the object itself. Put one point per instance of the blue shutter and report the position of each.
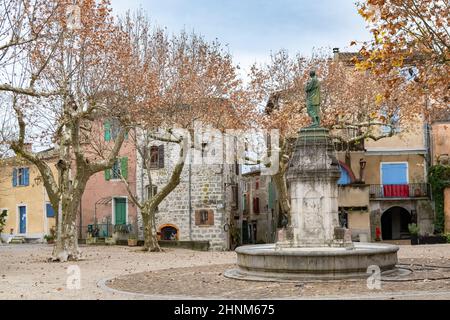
(26, 177)
(50, 211)
(14, 178)
(394, 174)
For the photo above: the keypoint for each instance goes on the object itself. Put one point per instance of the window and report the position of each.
(394, 178)
(394, 173)
(235, 197)
(204, 218)
(119, 170)
(112, 129)
(21, 177)
(245, 203)
(151, 192)
(256, 209)
(157, 157)
(204, 150)
(50, 211)
(116, 172)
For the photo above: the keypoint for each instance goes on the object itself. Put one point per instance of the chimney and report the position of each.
(336, 54)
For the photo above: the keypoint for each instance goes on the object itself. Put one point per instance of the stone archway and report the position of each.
(169, 232)
(394, 224)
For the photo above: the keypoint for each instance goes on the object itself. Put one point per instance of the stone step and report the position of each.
(18, 240)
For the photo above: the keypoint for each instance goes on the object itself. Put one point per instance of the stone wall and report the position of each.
(210, 190)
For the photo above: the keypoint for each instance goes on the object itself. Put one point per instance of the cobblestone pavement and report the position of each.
(25, 274)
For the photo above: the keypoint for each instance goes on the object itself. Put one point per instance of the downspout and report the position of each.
(81, 218)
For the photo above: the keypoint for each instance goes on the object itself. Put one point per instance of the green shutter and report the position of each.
(124, 167)
(108, 174)
(120, 211)
(107, 126)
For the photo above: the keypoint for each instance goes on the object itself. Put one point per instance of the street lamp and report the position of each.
(362, 167)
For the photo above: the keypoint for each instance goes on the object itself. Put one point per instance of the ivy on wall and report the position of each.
(439, 180)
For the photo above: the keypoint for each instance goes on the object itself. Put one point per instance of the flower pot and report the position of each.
(132, 242)
(414, 240)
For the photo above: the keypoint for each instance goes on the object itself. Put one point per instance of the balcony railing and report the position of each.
(105, 230)
(401, 191)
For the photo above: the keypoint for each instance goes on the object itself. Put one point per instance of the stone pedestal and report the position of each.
(312, 178)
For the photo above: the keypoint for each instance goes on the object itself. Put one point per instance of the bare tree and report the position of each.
(188, 80)
(64, 66)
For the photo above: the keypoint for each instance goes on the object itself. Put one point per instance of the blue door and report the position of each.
(394, 174)
(23, 220)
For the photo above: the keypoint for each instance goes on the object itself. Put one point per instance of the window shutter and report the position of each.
(161, 156)
(107, 126)
(14, 178)
(210, 218)
(108, 174)
(26, 177)
(124, 167)
(257, 206)
(50, 211)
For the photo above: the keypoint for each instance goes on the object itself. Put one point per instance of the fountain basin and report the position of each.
(270, 263)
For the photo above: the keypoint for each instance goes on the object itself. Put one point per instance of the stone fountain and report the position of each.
(313, 246)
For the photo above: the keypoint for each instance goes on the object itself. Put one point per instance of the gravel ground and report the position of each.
(25, 274)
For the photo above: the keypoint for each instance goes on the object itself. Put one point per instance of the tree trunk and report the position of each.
(283, 197)
(151, 239)
(66, 244)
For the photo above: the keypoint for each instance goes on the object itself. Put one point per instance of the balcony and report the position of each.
(404, 191)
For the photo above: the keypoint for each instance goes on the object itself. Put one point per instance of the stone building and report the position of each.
(394, 191)
(202, 206)
(441, 155)
(258, 218)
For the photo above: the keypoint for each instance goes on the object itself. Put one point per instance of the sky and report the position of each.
(253, 29)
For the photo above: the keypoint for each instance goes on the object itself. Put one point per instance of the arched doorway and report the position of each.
(169, 233)
(394, 224)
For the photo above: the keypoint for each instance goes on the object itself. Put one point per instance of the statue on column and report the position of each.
(313, 99)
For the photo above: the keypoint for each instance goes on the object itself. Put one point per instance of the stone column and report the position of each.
(312, 177)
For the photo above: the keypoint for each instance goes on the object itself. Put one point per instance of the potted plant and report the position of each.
(3, 216)
(50, 238)
(132, 240)
(414, 231)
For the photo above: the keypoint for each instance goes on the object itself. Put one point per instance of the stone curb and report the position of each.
(406, 295)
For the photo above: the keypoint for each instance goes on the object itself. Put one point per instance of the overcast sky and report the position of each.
(254, 28)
